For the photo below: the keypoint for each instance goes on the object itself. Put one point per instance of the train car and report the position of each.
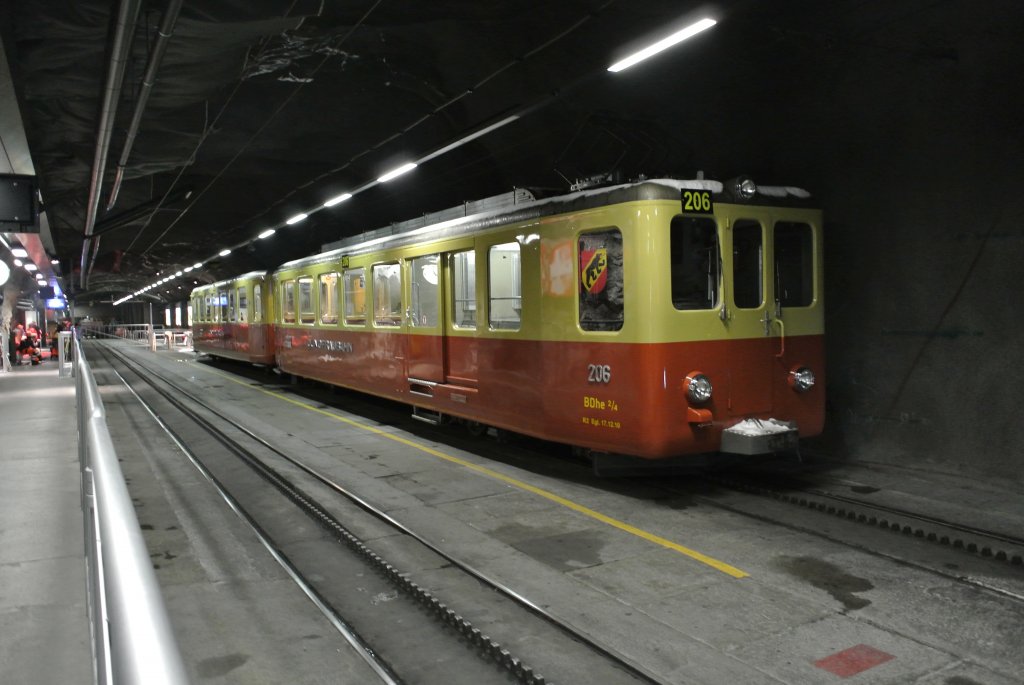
(642, 321)
(232, 319)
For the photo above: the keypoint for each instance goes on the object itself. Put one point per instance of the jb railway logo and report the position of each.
(594, 270)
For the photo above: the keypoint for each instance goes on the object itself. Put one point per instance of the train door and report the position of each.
(425, 346)
(751, 349)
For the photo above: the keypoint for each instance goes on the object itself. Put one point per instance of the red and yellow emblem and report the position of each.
(594, 270)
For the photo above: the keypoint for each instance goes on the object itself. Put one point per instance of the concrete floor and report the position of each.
(693, 593)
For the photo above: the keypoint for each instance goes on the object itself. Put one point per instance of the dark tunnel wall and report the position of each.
(917, 161)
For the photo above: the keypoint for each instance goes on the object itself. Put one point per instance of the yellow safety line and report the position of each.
(656, 539)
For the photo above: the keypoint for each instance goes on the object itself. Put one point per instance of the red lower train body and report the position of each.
(635, 404)
(248, 342)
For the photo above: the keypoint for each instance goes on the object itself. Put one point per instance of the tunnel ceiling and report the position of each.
(263, 109)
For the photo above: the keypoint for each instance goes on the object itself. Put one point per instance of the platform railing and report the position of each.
(133, 643)
(142, 334)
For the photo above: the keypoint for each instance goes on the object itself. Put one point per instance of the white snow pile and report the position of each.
(756, 427)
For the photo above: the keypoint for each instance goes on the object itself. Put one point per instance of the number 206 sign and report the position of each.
(697, 201)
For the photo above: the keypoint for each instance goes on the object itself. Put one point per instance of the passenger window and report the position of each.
(222, 314)
(425, 285)
(747, 264)
(243, 305)
(355, 296)
(693, 251)
(257, 303)
(504, 286)
(306, 313)
(601, 287)
(387, 295)
(288, 302)
(231, 305)
(794, 264)
(329, 298)
(463, 268)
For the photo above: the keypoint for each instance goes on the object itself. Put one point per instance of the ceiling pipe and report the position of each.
(127, 16)
(156, 58)
(133, 215)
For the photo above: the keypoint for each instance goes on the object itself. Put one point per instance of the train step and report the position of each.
(434, 418)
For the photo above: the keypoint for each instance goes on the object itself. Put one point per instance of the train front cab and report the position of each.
(757, 337)
(680, 332)
(232, 319)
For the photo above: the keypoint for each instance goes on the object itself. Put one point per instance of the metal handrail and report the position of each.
(133, 642)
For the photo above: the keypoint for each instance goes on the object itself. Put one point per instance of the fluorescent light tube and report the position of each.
(337, 198)
(395, 173)
(677, 37)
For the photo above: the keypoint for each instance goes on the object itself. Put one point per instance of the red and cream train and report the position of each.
(651, 320)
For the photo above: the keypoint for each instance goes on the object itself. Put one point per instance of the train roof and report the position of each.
(521, 205)
(212, 286)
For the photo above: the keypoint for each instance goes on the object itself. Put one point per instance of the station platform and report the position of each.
(43, 612)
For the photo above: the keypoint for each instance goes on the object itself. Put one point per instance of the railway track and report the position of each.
(988, 544)
(468, 627)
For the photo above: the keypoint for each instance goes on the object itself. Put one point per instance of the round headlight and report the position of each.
(801, 379)
(743, 187)
(698, 388)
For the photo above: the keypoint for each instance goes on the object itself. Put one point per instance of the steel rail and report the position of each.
(927, 528)
(571, 631)
(365, 651)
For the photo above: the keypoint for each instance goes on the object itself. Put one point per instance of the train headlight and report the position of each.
(698, 388)
(744, 187)
(801, 379)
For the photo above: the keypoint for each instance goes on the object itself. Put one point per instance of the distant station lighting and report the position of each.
(30, 267)
(297, 218)
(266, 234)
(395, 173)
(663, 44)
(19, 252)
(225, 252)
(197, 265)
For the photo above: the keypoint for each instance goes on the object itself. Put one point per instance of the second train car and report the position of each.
(650, 320)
